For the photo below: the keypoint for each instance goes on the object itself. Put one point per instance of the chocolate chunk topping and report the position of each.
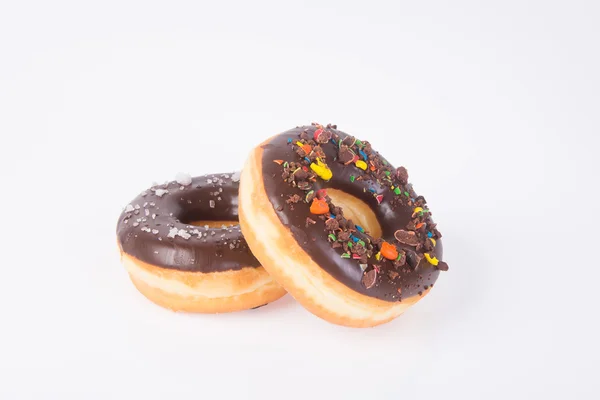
(402, 175)
(369, 278)
(406, 237)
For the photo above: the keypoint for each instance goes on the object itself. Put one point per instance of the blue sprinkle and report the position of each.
(331, 216)
(360, 229)
(412, 199)
(372, 190)
(290, 140)
(354, 238)
(429, 234)
(333, 141)
(307, 159)
(362, 153)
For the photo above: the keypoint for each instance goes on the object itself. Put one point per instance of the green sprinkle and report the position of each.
(285, 164)
(332, 237)
(406, 194)
(361, 243)
(352, 178)
(346, 255)
(398, 258)
(358, 143)
(388, 173)
(385, 162)
(397, 190)
(350, 244)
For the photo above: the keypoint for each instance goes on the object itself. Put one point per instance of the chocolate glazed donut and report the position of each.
(374, 271)
(186, 266)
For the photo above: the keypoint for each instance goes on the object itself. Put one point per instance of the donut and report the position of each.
(338, 226)
(182, 246)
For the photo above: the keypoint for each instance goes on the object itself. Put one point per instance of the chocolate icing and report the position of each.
(313, 238)
(155, 229)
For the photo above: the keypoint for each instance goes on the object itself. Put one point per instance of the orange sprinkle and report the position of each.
(278, 161)
(319, 207)
(389, 251)
(307, 149)
(420, 224)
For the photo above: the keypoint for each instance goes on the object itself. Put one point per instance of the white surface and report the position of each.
(492, 107)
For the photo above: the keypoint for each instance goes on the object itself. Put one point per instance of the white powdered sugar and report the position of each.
(236, 176)
(183, 179)
(155, 231)
(211, 204)
(160, 192)
(129, 208)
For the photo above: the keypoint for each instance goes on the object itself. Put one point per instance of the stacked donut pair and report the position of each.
(315, 212)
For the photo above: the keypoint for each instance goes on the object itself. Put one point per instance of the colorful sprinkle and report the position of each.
(406, 194)
(361, 164)
(418, 210)
(361, 243)
(319, 207)
(389, 251)
(432, 260)
(378, 256)
(379, 198)
(397, 190)
(350, 244)
(278, 161)
(359, 228)
(307, 159)
(322, 170)
(363, 154)
(358, 143)
(346, 255)
(322, 192)
(429, 234)
(371, 190)
(433, 241)
(317, 133)
(354, 238)
(285, 164)
(388, 173)
(289, 140)
(419, 225)
(356, 256)
(363, 267)
(332, 237)
(352, 178)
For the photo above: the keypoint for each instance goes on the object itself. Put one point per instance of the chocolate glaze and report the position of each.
(313, 239)
(147, 226)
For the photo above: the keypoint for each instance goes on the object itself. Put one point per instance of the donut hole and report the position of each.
(356, 210)
(215, 224)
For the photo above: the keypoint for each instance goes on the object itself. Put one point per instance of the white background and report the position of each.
(492, 106)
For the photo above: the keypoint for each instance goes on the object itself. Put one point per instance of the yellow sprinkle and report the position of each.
(433, 241)
(433, 261)
(378, 256)
(299, 144)
(418, 209)
(361, 164)
(322, 170)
